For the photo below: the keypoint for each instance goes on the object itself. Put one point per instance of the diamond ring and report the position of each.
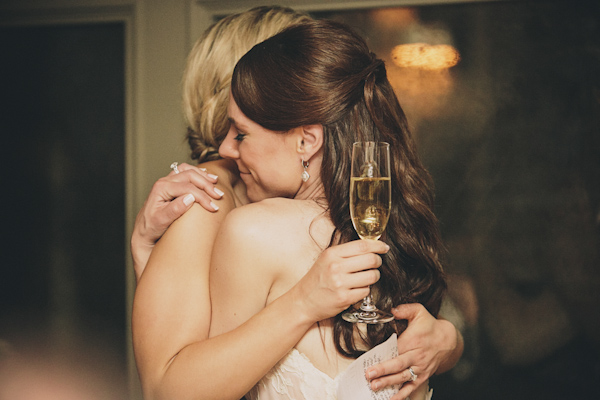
(413, 376)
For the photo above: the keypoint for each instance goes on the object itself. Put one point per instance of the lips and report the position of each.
(241, 171)
(246, 176)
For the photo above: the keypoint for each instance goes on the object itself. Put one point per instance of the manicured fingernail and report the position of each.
(214, 206)
(188, 199)
(202, 169)
(375, 386)
(212, 176)
(370, 374)
(219, 192)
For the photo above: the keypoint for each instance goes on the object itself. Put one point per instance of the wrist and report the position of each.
(452, 345)
(299, 305)
(448, 334)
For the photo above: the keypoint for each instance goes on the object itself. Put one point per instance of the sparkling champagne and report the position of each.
(370, 202)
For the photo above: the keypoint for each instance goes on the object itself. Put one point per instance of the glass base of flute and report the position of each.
(367, 313)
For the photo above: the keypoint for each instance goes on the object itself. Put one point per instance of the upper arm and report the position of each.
(172, 301)
(242, 268)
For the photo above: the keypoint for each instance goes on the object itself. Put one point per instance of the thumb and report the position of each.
(407, 311)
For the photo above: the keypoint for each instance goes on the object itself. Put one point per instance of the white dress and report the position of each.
(296, 378)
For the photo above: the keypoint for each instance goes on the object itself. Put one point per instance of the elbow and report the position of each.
(154, 381)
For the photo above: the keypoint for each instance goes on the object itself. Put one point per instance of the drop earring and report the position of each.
(305, 174)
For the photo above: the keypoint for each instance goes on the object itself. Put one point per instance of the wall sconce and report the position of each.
(425, 56)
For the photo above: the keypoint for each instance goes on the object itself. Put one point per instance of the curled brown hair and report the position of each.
(321, 72)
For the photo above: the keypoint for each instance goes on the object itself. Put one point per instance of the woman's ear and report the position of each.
(310, 140)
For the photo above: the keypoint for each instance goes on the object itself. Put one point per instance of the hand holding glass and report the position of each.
(370, 202)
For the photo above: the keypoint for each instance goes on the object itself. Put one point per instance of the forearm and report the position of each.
(140, 253)
(229, 365)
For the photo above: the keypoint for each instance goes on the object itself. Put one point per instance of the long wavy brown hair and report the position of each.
(321, 72)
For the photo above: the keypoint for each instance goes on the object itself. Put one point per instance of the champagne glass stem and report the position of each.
(367, 304)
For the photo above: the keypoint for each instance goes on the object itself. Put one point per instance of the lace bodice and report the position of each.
(296, 378)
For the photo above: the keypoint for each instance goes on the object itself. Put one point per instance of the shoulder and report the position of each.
(272, 224)
(200, 225)
(258, 221)
(268, 214)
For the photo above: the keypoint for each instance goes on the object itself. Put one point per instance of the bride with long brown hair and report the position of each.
(298, 102)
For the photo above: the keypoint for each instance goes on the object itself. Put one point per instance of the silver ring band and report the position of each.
(174, 167)
(413, 376)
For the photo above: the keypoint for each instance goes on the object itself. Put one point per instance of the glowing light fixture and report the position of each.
(425, 56)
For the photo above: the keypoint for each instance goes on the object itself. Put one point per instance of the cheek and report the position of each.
(281, 177)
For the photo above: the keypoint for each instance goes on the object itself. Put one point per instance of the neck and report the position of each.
(311, 189)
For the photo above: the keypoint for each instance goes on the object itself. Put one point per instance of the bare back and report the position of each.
(261, 251)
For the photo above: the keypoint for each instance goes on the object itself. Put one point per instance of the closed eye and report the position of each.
(239, 137)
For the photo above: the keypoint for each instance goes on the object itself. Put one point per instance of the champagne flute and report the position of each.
(370, 202)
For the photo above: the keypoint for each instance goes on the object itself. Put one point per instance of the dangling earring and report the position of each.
(305, 174)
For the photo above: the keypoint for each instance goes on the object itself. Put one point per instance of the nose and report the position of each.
(229, 147)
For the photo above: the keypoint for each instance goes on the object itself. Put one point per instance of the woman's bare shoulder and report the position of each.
(255, 219)
(272, 223)
(271, 212)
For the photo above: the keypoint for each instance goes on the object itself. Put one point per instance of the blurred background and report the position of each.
(503, 98)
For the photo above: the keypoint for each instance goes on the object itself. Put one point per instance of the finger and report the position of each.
(178, 207)
(360, 262)
(199, 171)
(200, 181)
(407, 311)
(362, 279)
(188, 172)
(358, 247)
(396, 365)
(206, 202)
(176, 186)
(406, 390)
(198, 178)
(355, 295)
(402, 379)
